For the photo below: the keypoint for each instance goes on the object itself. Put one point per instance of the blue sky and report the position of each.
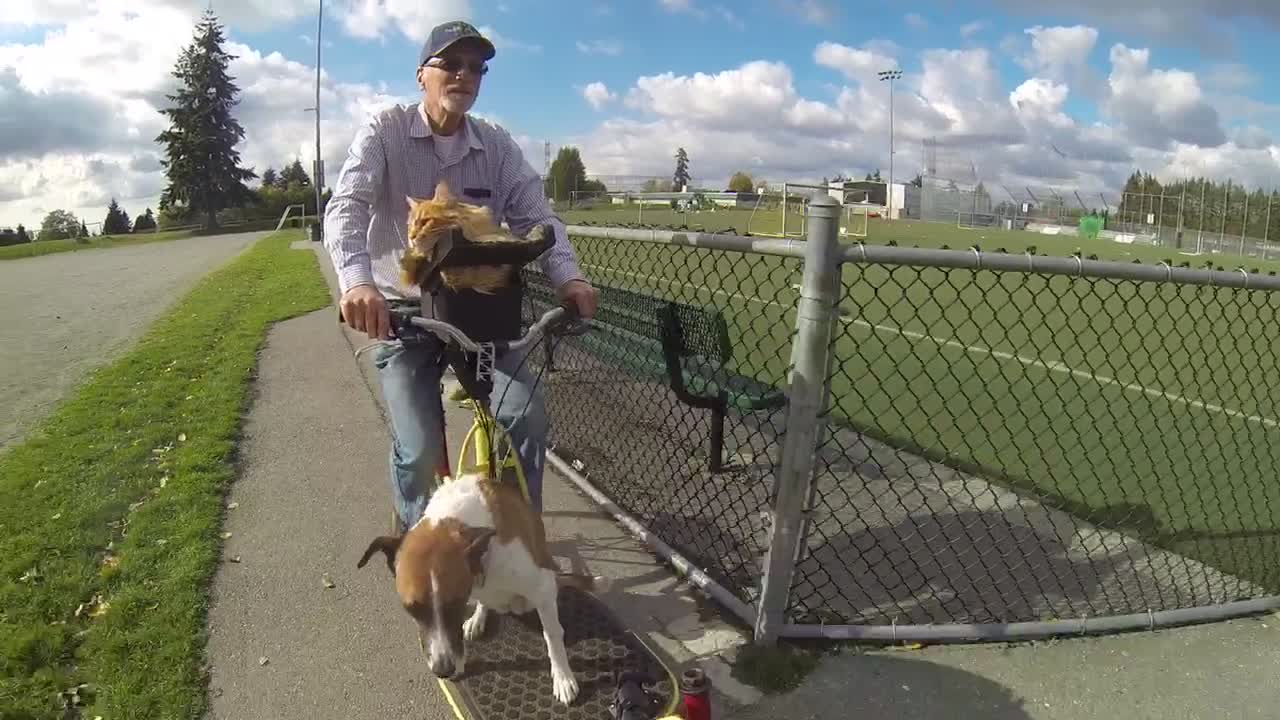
(535, 83)
(741, 85)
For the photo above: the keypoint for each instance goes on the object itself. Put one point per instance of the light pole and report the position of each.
(890, 75)
(317, 167)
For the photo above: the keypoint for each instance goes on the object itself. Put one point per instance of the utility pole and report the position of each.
(319, 167)
(891, 76)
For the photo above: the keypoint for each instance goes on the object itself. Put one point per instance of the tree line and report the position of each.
(1200, 204)
(62, 225)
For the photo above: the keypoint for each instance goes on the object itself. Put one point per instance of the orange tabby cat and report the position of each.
(430, 219)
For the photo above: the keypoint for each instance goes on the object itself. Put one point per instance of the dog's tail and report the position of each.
(586, 583)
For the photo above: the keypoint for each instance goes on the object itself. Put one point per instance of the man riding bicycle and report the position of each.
(405, 151)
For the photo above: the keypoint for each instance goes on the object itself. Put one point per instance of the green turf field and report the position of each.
(1147, 407)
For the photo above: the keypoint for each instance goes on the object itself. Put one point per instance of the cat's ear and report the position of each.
(413, 201)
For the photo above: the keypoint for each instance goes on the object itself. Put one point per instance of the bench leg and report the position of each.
(717, 439)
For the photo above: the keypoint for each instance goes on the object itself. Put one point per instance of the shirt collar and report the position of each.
(420, 128)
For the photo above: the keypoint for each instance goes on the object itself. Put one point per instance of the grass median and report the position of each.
(49, 247)
(110, 512)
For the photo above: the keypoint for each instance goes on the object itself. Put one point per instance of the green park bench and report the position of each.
(684, 346)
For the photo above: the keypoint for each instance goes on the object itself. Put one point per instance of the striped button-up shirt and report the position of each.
(395, 155)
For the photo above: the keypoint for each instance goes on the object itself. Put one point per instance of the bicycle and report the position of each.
(482, 330)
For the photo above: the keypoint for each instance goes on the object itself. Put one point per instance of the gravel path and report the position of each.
(69, 313)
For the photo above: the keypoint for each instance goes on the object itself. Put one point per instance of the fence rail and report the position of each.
(893, 443)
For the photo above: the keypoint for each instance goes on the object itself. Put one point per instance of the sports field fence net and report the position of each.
(1000, 438)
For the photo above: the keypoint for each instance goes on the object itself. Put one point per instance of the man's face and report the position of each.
(452, 80)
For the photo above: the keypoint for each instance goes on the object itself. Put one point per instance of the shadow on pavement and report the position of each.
(891, 687)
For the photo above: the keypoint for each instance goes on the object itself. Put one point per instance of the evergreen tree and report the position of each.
(681, 176)
(117, 220)
(145, 222)
(567, 173)
(22, 234)
(202, 163)
(84, 230)
(294, 175)
(269, 177)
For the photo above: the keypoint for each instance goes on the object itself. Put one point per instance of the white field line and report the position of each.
(1050, 365)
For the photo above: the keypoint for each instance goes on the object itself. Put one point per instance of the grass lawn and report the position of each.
(48, 247)
(110, 512)
(1146, 407)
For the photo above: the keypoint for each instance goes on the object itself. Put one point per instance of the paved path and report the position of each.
(1207, 672)
(66, 314)
(312, 491)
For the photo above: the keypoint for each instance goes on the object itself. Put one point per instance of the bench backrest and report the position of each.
(689, 329)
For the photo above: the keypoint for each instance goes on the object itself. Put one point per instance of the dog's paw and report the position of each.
(473, 628)
(566, 686)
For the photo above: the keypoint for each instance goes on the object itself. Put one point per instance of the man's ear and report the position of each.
(389, 545)
(477, 544)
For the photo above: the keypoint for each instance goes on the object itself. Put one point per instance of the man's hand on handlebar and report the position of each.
(581, 295)
(364, 309)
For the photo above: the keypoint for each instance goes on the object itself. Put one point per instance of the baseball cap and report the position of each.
(446, 34)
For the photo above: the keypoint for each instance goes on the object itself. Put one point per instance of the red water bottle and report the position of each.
(695, 691)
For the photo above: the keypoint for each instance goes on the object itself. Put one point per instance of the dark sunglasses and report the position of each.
(453, 65)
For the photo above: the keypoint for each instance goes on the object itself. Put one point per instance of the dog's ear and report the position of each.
(389, 545)
(477, 544)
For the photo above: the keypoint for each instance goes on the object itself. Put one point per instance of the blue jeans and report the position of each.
(410, 377)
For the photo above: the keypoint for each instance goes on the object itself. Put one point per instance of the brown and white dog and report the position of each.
(478, 540)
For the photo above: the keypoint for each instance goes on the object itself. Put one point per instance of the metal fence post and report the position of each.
(819, 292)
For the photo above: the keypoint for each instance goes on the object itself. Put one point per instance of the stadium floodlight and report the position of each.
(890, 75)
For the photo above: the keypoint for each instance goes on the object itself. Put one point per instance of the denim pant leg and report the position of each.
(522, 413)
(411, 387)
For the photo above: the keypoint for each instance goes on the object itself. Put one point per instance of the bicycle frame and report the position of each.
(485, 431)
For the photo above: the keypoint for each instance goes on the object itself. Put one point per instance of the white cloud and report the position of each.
(968, 30)
(751, 117)
(916, 21)
(370, 19)
(1159, 107)
(600, 47)
(81, 112)
(1203, 24)
(1058, 51)
(817, 12)
(857, 64)
(597, 94)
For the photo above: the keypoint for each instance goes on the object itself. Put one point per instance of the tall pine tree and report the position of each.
(202, 163)
(680, 177)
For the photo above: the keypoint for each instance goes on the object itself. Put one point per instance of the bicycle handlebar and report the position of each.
(556, 316)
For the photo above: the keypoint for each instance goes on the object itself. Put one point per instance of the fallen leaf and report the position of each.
(225, 536)
(235, 558)
(164, 481)
(263, 660)
(182, 437)
(328, 582)
(233, 506)
(57, 516)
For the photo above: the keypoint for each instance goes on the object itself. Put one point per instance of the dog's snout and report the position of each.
(442, 667)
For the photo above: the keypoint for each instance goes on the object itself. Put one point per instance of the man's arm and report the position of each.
(346, 232)
(527, 207)
(346, 216)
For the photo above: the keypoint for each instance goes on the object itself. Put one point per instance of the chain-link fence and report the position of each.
(891, 443)
(671, 405)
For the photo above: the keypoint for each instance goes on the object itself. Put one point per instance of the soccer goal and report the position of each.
(289, 214)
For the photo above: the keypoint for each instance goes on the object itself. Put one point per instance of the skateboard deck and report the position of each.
(508, 675)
